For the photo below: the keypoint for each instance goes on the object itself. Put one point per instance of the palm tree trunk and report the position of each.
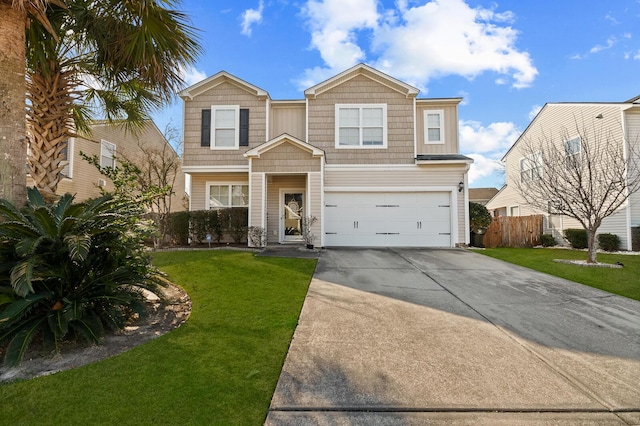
(13, 148)
(50, 123)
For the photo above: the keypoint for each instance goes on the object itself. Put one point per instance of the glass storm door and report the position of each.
(293, 212)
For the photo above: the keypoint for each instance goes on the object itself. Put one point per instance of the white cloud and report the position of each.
(611, 41)
(482, 167)
(251, 17)
(494, 138)
(534, 111)
(486, 145)
(334, 25)
(192, 75)
(448, 37)
(417, 43)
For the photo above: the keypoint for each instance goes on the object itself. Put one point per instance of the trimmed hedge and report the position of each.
(547, 240)
(635, 238)
(576, 237)
(609, 242)
(194, 226)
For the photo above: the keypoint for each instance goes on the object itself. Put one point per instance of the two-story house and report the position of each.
(109, 142)
(373, 163)
(565, 124)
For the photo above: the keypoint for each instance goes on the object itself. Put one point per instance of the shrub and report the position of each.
(238, 218)
(609, 242)
(635, 238)
(479, 217)
(70, 270)
(179, 227)
(576, 237)
(547, 240)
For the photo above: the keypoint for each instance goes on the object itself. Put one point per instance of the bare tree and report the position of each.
(159, 167)
(587, 178)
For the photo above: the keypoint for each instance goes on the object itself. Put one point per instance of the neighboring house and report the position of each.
(110, 142)
(361, 153)
(481, 195)
(558, 121)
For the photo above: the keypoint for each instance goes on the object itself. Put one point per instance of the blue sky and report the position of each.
(505, 58)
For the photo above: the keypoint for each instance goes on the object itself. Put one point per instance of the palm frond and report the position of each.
(78, 245)
(21, 277)
(19, 344)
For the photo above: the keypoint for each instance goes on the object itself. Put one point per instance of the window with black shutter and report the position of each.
(205, 132)
(244, 127)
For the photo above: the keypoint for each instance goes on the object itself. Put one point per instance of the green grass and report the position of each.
(625, 281)
(220, 367)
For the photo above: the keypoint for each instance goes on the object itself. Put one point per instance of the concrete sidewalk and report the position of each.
(403, 337)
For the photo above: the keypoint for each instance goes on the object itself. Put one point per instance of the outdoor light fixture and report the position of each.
(599, 116)
(460, 186)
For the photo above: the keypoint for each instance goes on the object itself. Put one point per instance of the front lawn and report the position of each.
(625, 281)
(220, 367)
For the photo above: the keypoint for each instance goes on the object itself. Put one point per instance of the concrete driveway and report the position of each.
(413, 337)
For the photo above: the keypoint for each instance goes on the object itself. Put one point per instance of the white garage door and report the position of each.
(381, 219)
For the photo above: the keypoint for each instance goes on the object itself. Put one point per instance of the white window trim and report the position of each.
(236, 137)
(360, 146)
(577, 153)
(69, 166)
(529, 160)
(207, 200)
(440, 112)
(113, 152)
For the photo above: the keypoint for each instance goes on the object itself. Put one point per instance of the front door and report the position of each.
(292, 207)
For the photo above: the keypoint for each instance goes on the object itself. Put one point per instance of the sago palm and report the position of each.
(113, 59)
(70, 270)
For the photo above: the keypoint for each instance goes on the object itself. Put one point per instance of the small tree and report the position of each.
(479, 217)
(587, 177)
(158, 167)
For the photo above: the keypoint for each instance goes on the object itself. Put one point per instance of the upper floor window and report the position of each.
(67, 155)
(227, 195)
(572, 149)
(434, 127)
(107, 154)
(225, 127)
(361, 126)
(531, 167)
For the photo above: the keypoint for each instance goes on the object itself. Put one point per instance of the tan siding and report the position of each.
(314, 195)
(223, 94)
(199, 180)
(445, 175)
(286, 158)
(633, 138)
(274, 184)
(450, 130)
(289, 118)
(616, 224)
(256, 199)
(363, 90)
(84, 180)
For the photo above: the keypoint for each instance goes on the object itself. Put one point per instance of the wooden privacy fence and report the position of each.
(514, 231)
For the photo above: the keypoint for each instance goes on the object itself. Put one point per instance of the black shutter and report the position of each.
(205, 131)
(244, 127)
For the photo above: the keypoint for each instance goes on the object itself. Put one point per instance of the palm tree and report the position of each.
(16, 14)
(116, 59)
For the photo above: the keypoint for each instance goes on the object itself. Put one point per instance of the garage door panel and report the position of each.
(377, 219)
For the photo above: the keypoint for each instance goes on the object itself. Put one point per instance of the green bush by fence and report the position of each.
(547, 240)
(230, 223)
(609, 242)
(576, 237)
